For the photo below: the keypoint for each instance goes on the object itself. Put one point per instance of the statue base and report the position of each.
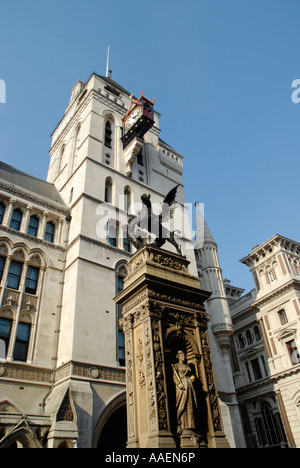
(163, 313)
(190, 439)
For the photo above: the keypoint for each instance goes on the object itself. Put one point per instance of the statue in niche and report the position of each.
(147, 224)
(186, 397)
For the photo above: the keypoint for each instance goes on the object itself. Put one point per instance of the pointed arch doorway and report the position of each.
(111, 430)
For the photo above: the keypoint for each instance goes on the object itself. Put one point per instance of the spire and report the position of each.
(203, 234)
(208, 237)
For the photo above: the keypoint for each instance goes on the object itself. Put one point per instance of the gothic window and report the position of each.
(108, 190)
(2, 210)
(2, 265)
(60, 163)
(121, 273)
(127, 198)
(14, 275)
(16, 219)
(108, 135)
(126, 244)
(77, 144)
(22, 342)
(49, 233)
(32, 280)
(113, 233)
(20, 333)
(5, 331)
(33, 226)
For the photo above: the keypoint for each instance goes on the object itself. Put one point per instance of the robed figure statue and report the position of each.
(186, 398)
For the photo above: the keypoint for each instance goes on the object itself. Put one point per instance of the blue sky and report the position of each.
(220, 72)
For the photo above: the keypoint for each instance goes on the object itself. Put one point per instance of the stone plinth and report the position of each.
(163, 313)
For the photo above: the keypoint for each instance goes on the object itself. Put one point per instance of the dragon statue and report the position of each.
(147, 224)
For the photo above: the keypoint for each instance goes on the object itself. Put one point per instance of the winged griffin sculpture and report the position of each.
(147, 224)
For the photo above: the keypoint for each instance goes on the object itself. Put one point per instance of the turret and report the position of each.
(220, 331)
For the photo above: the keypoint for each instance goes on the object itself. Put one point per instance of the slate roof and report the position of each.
(30, 183)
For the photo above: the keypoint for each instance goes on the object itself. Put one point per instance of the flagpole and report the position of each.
(107, 62)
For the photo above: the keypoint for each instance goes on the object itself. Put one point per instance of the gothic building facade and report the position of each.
(64, 250)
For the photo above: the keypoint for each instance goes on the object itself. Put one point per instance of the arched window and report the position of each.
(121, 273)
(272, 425)
(2, 210)
(249, 337)
(49, 233)
(22, 341)
(32, 278)
(127, 198)
(108, 137)
(33, 226)
(14, 275)
(126, 244)
(26, 276)
(77, 145)
(241, 341)
(2, 265)
(5, 331)
(113, 233)
(16, 219)
(108, 190)
(60, 162)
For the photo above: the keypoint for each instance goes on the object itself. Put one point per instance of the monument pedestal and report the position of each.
(163, 313)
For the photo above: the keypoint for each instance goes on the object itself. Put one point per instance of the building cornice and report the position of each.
(282, 375)
(23, 372)
(263, 248)
(293, 283)
(80, 237)
(36, 240)
(34, 198)
(86, 371)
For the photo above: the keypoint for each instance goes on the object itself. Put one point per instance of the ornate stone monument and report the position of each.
(171, 395)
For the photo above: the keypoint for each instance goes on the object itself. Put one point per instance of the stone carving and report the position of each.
(150, 376)
(140, 366)
(65, 412)
(167, 408)
(160, 381)
(130, 392)
(186, 398)
(212, 392)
